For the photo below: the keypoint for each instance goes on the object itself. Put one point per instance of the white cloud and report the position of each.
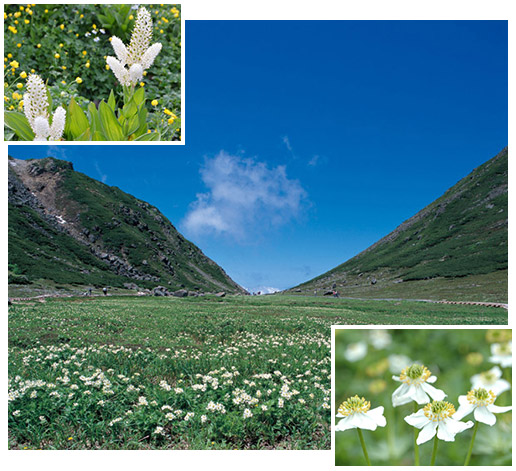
(58, 152)
(286, 141)
(102, 175)
(263, 290)
(244, 197)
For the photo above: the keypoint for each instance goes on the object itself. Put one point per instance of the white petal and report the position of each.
(420, 396)
(482, 414)
(398, 395)
(434, 393)
(463, 410)
(396, 378)
(498, 409)
(427, 433)
(344, 424)
(444, 432)
(455, 426)
(362, 420)
(500, 386)
(417, 419)
(377, 415)
(432, 379)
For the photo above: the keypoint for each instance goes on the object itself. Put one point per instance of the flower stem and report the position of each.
(468, 457)
(416, 447)
(363, 446)
(434, 453)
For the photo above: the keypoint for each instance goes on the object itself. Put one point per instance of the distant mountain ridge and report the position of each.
(71, 229)
(463, 233)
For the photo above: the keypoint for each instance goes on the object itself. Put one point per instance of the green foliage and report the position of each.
(454, 356)
(67, 46)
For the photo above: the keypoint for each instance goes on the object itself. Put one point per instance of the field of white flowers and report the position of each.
(126, 373)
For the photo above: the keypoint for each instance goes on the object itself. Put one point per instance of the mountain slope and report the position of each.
(461, 234)
(71, 229)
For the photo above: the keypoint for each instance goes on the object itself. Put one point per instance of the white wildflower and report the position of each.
(437, 417)
(247, 414)
(415, 386)
(356, 413)
(491, 380)
(481, 403)
(139, 55)
(355, 351)
(501, 354)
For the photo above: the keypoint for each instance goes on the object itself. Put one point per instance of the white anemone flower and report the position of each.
(380, 338)
(501, 354)
(139, 55)
(356, 413)
(491, 380)
(398, 362)
(416, 387)
(437, 417)
(481, 402)
(355, 351)
(35, 108)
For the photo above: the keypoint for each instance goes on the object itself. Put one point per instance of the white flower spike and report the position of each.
(35, 107)
(416, 387)
(138, 56)
(491, 380)
(501, 354)
(356, 413)
(481, 403)
(437, 418)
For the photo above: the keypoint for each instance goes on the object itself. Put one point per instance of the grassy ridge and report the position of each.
(104, 219)
(462, 233)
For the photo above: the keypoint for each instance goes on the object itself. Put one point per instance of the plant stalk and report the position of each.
(434, 453)
(468, 457)
(363, 446)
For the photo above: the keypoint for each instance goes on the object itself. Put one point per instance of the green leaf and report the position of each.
(111, 101)
(98, 136)
(139, 96)
(94, 118)
(142, 118)
(19, 124)
(132, 125)
(130, 109)
(110, 126)
(76, 122)
(150, 136)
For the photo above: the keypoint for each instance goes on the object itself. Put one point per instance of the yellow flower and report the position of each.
(70, 438)
(17, 14)
(14, 64)
(32, 71)
(63, 82)
(170, 120)
(15, 22)
(20, 104)
(145, 73)
(82, 16)
(164, 20)
(62, 27)
(56, 55)
(107, 67)
(12, 29)
(148, 131)
(46, 11)
(161, 31)
(18, 45)
(78, 80)
(38, 46)
(19, 86)
(27, 22)
(154, 102)
(94, 26)
(131, 17)
(142, 84)
(23, 74)
(11, 107)
(84, 53)
(168, 112)
(87, 65)
(22, 8)
(9, 55)
(61, 45)
(63, 67)
(5, 15)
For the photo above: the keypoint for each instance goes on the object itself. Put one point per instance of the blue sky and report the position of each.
(309, 141)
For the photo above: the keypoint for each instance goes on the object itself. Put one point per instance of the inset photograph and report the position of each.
(92, 72)
(420, 397)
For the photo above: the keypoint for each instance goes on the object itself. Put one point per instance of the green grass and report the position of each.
(453, 356)
(239, 351)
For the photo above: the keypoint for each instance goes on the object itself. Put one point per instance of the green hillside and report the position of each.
(69, 228)
(461, 234)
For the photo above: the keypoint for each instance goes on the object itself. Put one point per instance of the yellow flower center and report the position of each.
(438, 410)
(354, 404)
(481, 397)
(415, 374)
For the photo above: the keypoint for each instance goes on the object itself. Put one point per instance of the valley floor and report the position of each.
(242, 372)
